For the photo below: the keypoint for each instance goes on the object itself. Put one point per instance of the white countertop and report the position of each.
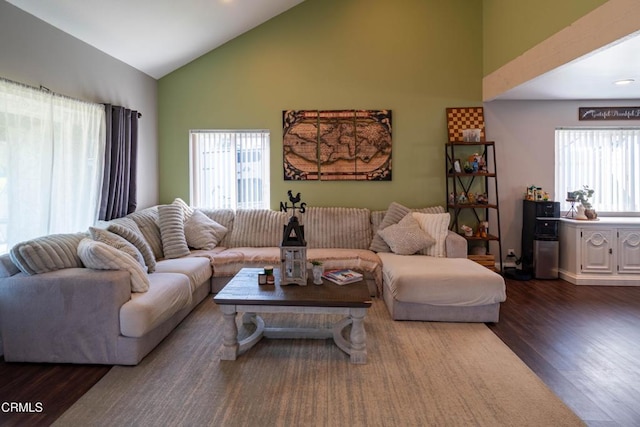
(604, 220)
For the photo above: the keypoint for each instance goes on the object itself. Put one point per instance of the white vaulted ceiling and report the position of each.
(155, 36)
(159, 36)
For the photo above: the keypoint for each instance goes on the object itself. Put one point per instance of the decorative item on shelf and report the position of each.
(572, 212)
(293, 249)
(452, 198)
(482, 199)
(585, 210)
(462, 198)
(471, 197)
(317, 269)
(467, 167)
(468, 231)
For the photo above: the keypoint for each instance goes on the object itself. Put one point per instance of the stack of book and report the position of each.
(342, 277)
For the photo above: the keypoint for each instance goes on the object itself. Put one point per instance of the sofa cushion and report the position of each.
(136, 239)
(100, 256)
(437, 226)
(258, 228)
(167, 294)
(117, 242)
(171, 222)
(441, 281)
(337, 227)
(47, 253)
(406, 237)
(202, 232)
(198, 270)
(229, 262)
(147, 221)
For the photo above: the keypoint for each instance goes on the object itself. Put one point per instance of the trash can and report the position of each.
(546, 259)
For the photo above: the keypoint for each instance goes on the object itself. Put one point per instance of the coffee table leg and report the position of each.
(229, 349)
(358, 336)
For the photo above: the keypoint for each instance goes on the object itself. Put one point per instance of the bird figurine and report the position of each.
(292, 199)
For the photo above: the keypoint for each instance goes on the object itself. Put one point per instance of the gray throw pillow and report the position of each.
(137, 240)
(47, 253)
(202, 232)
(171, 222)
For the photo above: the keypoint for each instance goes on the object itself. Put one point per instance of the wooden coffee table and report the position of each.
(243, 294)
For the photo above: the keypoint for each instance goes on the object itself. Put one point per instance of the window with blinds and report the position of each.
(605, 159)
(229, 169)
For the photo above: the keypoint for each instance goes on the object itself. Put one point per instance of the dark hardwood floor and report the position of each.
(582, 341)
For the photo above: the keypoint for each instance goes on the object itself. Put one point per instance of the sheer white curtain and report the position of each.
(605, 159)
(51, 157)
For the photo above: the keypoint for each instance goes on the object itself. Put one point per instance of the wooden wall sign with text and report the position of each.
(609, 113)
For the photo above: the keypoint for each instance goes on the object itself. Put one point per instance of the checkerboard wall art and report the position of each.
(461, 118)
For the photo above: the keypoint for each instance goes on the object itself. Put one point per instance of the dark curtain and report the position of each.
(119, 183)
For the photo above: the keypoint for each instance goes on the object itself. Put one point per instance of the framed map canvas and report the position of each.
(337, 145)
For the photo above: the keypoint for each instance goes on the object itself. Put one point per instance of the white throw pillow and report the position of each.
(394, 214)
(406, 237)
(118, 242)
(202, 232)
(100, 256)
(437, 226)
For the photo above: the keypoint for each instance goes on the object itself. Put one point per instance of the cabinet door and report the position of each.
(629, 250)
(597, 252)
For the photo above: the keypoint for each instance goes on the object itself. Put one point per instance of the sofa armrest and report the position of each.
(455, 245)
(64, 316)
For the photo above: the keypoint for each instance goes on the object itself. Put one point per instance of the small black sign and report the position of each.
(609, 113)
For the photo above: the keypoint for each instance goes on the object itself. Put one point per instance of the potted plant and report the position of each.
(583, 197)
(317, 269)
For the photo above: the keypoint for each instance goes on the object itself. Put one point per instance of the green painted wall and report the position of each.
(415, 57)
(511, 27)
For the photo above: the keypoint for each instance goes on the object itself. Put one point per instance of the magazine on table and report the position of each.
(343, 276)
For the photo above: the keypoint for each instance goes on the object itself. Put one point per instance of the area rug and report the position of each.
(418, 374)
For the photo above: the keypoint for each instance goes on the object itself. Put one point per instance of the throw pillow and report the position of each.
(136, 240)
(118, 242)
(186, 209)
(406, 237)
(394, 214)
(202, 232)
(437, 226)
(47, 253)
(170, 220)
(100, 256)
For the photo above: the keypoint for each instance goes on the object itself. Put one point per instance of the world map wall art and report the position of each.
(337, 145)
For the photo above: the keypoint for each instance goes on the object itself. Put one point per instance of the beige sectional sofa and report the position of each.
(53, 308)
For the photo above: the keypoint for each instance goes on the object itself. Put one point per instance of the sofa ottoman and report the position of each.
(429, 288)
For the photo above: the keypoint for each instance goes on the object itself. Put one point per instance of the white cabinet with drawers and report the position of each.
(602, 252)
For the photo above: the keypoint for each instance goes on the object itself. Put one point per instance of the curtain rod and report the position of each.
(45, 89)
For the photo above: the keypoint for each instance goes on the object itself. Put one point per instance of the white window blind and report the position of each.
(229, 169)
(605, 159)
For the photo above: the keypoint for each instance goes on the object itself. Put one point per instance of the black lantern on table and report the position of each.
(293, 250)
